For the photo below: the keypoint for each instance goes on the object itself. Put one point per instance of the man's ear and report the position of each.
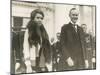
(69, 15)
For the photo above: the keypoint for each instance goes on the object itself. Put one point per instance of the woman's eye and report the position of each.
(37, 17)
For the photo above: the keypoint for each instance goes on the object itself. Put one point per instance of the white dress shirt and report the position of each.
(75, 26)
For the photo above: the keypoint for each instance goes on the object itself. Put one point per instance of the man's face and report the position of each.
(58, 36)
(74, 15)
(84, 27)
(38, 19)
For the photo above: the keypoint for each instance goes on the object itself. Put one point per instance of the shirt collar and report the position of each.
(73, 23)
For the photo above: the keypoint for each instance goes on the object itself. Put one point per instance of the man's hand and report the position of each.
(70, 62)
(58, 60)
(93, 60)
(86, 64)
(17, 65)
(29, 69)
(49, 66)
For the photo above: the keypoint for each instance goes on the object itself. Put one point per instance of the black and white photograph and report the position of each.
(52, 37)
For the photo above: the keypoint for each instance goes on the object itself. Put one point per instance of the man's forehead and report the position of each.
(84, 25)
(75, 11)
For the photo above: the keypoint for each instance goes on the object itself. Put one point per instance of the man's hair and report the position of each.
(58, 33)
(34, 12)
(83, 25)
(71, 10)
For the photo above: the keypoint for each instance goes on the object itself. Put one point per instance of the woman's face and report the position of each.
(38, 19)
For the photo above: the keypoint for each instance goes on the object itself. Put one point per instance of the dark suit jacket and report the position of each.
(71, 42)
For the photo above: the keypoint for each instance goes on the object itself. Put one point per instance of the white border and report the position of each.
(5, 37)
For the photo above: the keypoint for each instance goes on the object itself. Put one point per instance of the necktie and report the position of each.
(75, 27)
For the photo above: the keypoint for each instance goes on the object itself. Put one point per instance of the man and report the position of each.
(17, 53)
(37, 50)
(56, 53)
(89, 45)
(72, 48)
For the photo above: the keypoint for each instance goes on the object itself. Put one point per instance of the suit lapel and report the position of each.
(74, 33)
(80, 33)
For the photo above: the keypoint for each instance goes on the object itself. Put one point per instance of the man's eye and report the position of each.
(42, 18)
(37, 17)
(74, 14)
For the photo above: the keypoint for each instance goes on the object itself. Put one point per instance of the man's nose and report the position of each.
(75, 17)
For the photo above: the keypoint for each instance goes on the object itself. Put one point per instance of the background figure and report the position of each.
(37, 50)
(56, 49)
(71, 41)
(89, 46)
(17, 53)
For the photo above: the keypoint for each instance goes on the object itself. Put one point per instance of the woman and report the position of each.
(36, 44)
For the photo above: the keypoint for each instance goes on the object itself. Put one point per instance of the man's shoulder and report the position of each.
(65, 26)
(79, 27)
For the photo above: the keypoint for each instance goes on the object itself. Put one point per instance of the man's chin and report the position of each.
(74, 22)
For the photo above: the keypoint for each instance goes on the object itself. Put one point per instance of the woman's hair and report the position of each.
(37, 32)
(34, 31)
(34, 12)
